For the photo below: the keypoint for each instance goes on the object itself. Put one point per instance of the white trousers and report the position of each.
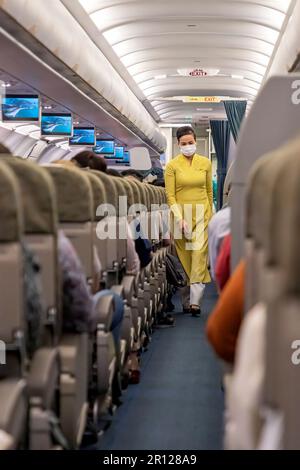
(193, 294)
(196, 293)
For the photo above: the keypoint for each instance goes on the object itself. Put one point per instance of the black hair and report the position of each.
(98, 163)
(113, 172)
(83, 158)
(185, 130)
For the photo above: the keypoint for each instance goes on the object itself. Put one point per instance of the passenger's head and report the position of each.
(83, 158)
(186, 138)
(98, 163)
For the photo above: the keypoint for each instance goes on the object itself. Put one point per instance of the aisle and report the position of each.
(179, 402)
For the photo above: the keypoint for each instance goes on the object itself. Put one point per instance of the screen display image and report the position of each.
(105, 147)
(59, 124)
(21, 108)
(125, 160)
(119, 153)
(83, 136)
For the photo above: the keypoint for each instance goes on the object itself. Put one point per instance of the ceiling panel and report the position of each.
(154, 39)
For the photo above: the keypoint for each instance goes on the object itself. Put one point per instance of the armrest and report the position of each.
(13, 407)
(118, 289)
(44, 374)
(73, 350)
(6, 441)
(104, 309)
(128, 283)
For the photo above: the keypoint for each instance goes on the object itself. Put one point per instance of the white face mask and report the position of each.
(188, 150)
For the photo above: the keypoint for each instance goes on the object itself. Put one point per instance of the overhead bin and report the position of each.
(61, 34)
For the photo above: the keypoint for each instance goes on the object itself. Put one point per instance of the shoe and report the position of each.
(196, 312)
(170, 307)
(166, 320)
(186, 310)
(135, 377)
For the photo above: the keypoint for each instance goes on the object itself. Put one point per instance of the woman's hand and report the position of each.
(183, 226)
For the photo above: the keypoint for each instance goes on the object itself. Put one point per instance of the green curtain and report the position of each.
(235, 111)
(220, 132)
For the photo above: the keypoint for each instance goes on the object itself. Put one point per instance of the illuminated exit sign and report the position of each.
(202, 99)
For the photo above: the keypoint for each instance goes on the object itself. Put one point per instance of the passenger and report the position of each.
(97, 267)
(224, 323)
(218, 228)
(33, 301)
(133, 174)
(188, 182)
(223, 263)
(97, 163)
(83, 159)
(113, 172)
(78, 309)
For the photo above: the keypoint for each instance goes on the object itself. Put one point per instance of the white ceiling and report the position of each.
(153, 39)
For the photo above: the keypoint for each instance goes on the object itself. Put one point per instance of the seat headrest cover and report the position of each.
(121, 191)
(98, 190)
(38, 196)
(110, 187)
(10, 206)
(285, 228)
(251, 196)
(74, 194)
(135, 190)
(143, 193)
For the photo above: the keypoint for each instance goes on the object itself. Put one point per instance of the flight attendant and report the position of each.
(188, 182)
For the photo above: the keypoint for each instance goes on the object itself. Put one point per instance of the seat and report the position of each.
(13, 394)
(40, 229)
(121, 225)
(77, 217)
(107, 228)
(133, 285)
(283, 322)
(74, 199)
(273, 194)
(13, 413)
(99, 198)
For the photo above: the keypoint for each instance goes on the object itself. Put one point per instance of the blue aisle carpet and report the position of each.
(178, 404)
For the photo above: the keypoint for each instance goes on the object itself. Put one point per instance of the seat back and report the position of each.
(283, 322)
(99, 197)
(108, 223)
(121, 222)
(40, 227)
(76, 211)
(12, 322)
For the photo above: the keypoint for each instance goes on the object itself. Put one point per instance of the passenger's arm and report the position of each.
(78, 307)
(224, 323)
(170, 185)
(209, 186)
